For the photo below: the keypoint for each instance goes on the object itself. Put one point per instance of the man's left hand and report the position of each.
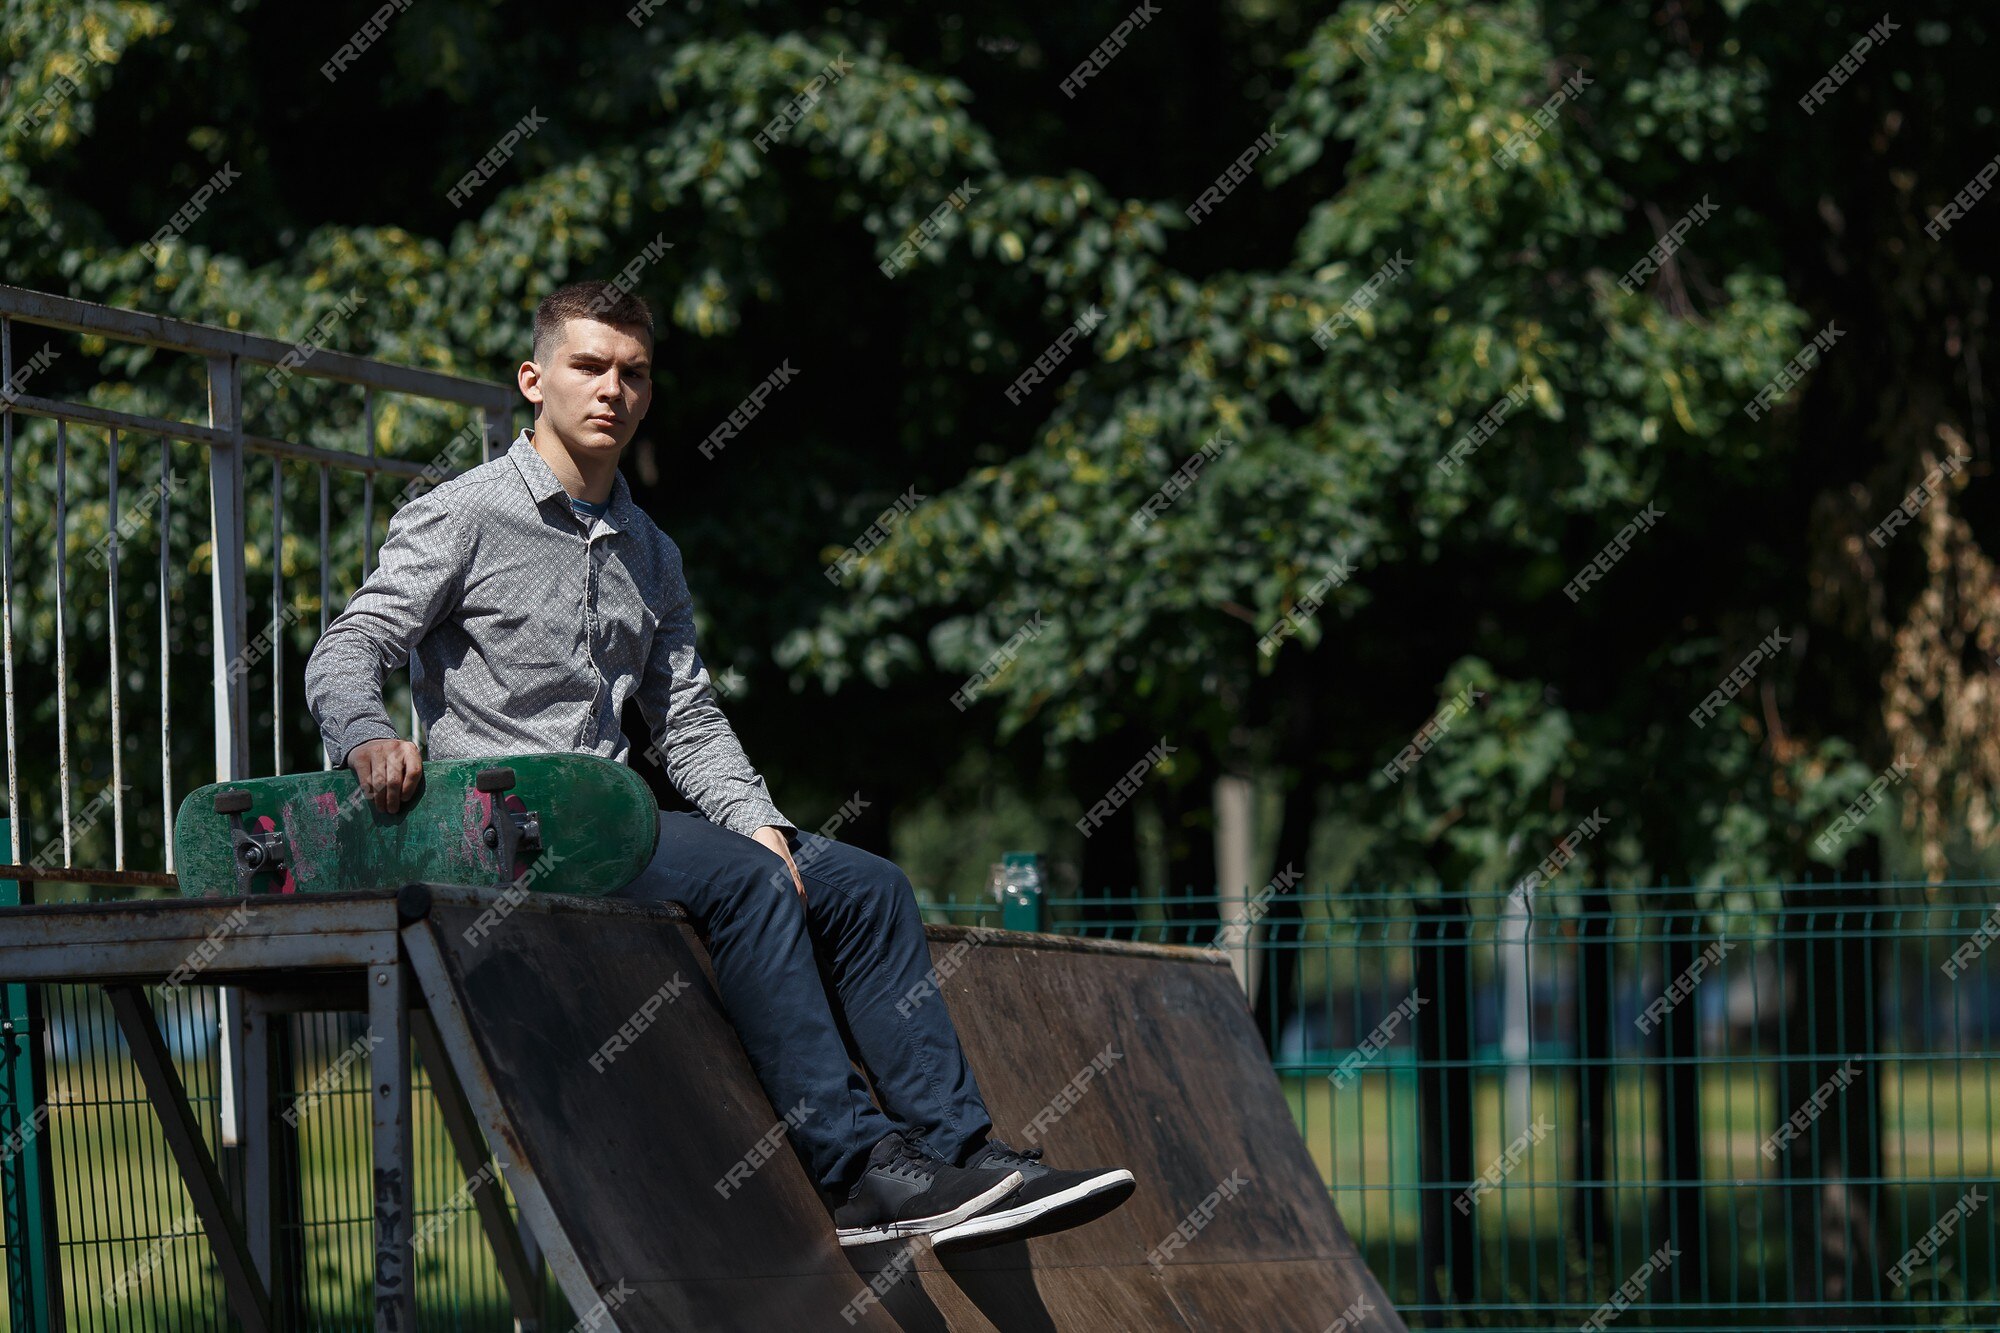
(773, 837)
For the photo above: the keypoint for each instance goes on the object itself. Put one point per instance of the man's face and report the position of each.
(594, 387)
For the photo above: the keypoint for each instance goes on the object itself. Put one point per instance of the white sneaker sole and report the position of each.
(986, 1224)
(921, 1226)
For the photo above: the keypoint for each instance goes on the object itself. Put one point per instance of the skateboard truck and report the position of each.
(254, 851)
(510, 832)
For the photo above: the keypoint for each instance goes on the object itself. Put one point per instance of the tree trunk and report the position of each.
(1276, 993)
(1595, 946)
(1830, 1166)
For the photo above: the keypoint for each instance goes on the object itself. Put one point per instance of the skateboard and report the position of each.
(564, 823)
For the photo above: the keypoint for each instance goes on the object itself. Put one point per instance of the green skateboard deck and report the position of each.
(564, 823)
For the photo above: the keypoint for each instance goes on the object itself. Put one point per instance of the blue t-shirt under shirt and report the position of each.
(587, 511)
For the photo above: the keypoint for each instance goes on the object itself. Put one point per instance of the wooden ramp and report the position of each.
(1101, 1053)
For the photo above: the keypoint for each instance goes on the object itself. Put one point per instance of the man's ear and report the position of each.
(529, 378)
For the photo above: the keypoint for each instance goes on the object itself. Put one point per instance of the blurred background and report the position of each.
(1518, 474)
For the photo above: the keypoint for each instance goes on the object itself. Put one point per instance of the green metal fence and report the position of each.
(1756, 1107)
(1760, 1107)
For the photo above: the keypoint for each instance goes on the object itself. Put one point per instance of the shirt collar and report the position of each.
(543, 483)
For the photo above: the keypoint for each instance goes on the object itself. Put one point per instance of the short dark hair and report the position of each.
(606, 302)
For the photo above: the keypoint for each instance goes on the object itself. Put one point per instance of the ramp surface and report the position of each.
(1101, 1054)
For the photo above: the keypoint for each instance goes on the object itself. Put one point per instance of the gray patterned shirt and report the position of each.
(530, 629)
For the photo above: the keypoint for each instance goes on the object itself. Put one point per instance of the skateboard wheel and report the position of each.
(494, 779)
(232, 802)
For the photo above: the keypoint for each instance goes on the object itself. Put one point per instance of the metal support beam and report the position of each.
(509, 1254)
(455, 1034)
(247, 1296)
(27, 1165)
(394, 1193)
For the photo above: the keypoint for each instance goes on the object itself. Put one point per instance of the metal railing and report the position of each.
(166, 408)
(90, 451)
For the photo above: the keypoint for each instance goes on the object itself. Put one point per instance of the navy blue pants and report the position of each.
(856, 942)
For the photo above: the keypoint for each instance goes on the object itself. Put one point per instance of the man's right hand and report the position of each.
(390, 772)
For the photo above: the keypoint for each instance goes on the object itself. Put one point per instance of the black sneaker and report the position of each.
(1046, 1200)
(904, 1192)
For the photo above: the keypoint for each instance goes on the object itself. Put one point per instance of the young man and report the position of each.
(535, 598)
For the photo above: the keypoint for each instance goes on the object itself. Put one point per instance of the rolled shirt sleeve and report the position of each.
(417, 582)
(696, 745)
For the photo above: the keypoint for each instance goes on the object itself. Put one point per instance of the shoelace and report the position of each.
(1000, 1152)
(910, 1163)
